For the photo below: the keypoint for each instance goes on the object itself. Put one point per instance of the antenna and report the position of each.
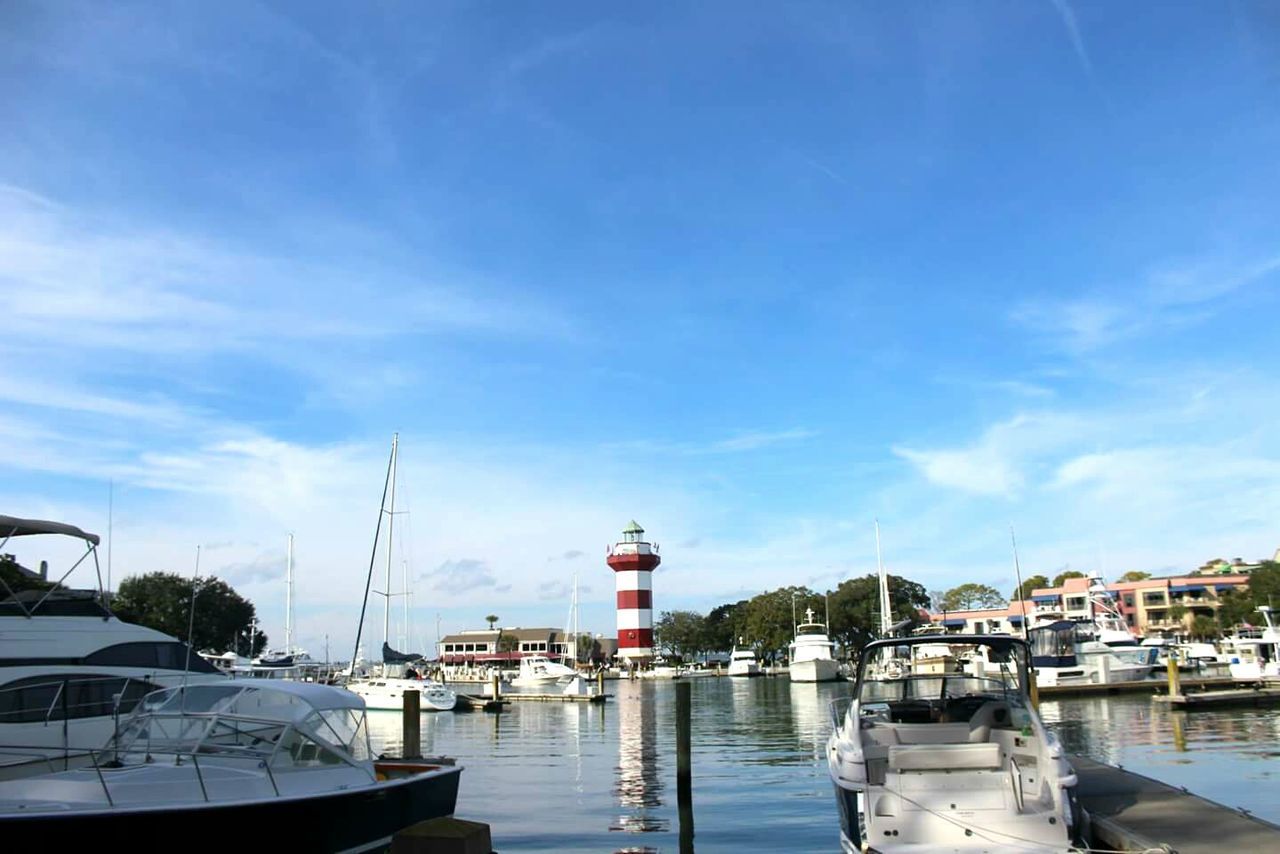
(111, 495)
(191, 627)
(1017, 571)
(288, 601)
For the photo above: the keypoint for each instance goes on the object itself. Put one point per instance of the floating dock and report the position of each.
(1130, 812)
(1137, 686)
(555, 698)
(1220, 699)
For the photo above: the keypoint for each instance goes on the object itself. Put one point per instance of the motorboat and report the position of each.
(539, 671)
(811, 653)
(742, 662)
(386, 688)
(1256, 656)
(70, 667)
(695, 671)
(1061, 657)
(956, 762)
(207, 762)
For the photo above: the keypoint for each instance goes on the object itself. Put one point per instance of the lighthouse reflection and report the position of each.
(638, 786)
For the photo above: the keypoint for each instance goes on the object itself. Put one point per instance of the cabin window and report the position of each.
(170, 655)
(73, 695)
(1076, 603)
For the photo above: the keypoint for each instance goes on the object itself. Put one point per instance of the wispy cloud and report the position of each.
(1068, 16)
(460, 575)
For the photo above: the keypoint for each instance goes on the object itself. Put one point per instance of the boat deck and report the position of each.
(1130, 812)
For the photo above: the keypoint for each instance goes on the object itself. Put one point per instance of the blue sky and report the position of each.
(754, 277)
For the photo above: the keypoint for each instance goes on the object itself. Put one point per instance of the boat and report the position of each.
(385, 686)
(742, 662)
(695, 671)
(1255, 656)
(955, 762)
(811, 653)
(70, 666)
(1061, 657)
(207, 762)
(537, 671)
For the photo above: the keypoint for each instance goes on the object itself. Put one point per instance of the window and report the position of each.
(1076, 603)
(1153, 598)
(171, 655)
(70, 695)
(1128, 600)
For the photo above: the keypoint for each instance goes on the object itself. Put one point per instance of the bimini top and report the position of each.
(280, 700)
(12, 526)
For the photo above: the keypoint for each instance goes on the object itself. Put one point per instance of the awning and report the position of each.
(1187, 588)
(1221, 587)
(953, 624)
(1015, 618)
(1053, 598)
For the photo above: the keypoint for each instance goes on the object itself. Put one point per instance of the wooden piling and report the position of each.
(1175, 678)
(1034, 689)
(412, 740)
(684, 764)
(495, 685)
(599, 681)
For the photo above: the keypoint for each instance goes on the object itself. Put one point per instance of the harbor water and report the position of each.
(579, 777)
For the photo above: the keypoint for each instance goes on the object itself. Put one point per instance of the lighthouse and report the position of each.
(633, 561)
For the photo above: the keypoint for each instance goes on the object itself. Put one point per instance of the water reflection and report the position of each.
(638, 785)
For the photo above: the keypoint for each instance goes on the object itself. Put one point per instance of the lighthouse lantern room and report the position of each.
(633, 561)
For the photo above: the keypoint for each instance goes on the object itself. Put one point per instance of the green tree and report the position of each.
(1035, 582)
(720, 626)
(1203, 628)
(491, 619)
(971, 595)
(1063, 576)
(1264, 584)
(1177, 613)
(162, 601)
(16, 579)
(855, 608)
(683, 633)
(1235, 607)
(507, 643)
(766, 619)
(1135, 575)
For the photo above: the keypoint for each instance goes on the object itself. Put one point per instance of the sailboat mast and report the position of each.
(885, 617)
(391, 522)
(288, 600)
(408, 635)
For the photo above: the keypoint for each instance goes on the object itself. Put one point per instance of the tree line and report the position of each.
(764, 622)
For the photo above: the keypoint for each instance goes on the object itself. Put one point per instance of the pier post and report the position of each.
(495, 685)
(684, 764)
(599, 681)
(1034, 688)
(412, 740)
(1175, 678)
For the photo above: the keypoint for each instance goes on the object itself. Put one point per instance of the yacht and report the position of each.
(1061, 657)
(1256, 656)
(539, 671)
(205, 763)
(742, 662)
(811, 653)
(69, 667)
(954, 762)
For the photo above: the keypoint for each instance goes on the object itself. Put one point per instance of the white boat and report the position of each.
(742, 662)
(69, 666)
(1256, 655)
(693, 671)
(539, 671)
(387, 692)
(955, 763)
(811, 653)
(206, 762)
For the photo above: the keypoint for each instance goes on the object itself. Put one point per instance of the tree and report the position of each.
(1177, 613)
(968, 596)
(1235, 607)
(507, 643)
(1135, 575)
(162, 601)
(855, 608)
(1264, 584)
(720, 626)
(18, 578)
(1063, 576)
(491, 619)
(766, 619)
(1035, 582)
(1204, 628)
(681, 632)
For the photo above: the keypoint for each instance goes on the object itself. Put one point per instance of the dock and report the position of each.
(1130, 812)
(1137, 686)
(1221, 699)
(555, 698)
(473, 703)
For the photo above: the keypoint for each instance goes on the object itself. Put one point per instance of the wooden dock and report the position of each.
(555, 698)
(1130, 812)
(473, 703)
(1138, 686)
(1220, 699)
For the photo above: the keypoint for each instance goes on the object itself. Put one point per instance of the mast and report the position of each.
(885, 616)
(288, 600)
(408, 634)
(1022, 597)
(391, 522)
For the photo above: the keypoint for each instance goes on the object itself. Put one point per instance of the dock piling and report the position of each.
(1175, 678)
(495, 685)
(684, 764)
(412, 739)
(599, 681)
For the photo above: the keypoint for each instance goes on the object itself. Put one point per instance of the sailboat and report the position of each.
(385, 689)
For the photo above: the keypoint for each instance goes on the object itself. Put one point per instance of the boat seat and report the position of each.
(991, 715)
(939, 733)
(943, 757)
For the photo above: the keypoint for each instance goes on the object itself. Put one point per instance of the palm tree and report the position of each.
(491, 619)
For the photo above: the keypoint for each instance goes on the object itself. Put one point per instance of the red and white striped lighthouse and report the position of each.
(633, 561)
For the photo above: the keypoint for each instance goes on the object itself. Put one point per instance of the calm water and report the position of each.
(579, 777)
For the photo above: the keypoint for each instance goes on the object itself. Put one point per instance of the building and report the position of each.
(480, 646)
(633, 561)
(1146, 605)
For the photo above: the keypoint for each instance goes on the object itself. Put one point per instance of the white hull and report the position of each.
(815, 670)
(743, 669)
(388, 694)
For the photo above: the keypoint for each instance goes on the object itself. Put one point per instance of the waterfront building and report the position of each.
(633, 561)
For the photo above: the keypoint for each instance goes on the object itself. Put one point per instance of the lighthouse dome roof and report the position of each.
(633, 528)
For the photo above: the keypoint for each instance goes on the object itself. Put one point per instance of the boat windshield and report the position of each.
(934, 676)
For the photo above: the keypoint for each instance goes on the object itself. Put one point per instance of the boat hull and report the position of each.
(815, 670)
(362, 819)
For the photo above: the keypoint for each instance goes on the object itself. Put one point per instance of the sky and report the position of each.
(754, 277)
